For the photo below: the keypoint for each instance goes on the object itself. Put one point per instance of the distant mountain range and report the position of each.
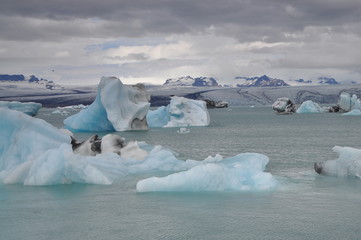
(262, 81)
(30, 79)
(189, 81)
(319, 81)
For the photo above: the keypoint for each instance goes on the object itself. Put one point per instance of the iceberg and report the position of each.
(181, 112)
(30, 108)
(243, 172)
(348, 102)
(33, 152)
(310, 107)
(24, 138)
(283, 105)
(348, 164)
(116, 108)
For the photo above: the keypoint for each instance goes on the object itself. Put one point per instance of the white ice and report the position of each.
(116, 108)
(309, 107)
(30, 108)
(33, 152)
(348, 164)
(244, 172)
(181, 112)
(348, 102)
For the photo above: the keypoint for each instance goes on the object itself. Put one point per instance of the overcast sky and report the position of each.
(78, 41)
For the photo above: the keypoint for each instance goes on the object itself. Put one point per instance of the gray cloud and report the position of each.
(129, 18)
(217, 36)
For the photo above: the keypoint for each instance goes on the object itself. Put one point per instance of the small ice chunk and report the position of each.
(181, 112)
(348, 164)
(310, 107)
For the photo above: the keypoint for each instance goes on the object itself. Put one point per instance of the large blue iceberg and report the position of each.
(33, 152)
(116, 108)
(30, 108)
(181, 112)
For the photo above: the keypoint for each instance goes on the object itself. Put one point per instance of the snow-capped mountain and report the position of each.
(326, 80)
(30, 79)
(318, 81)
(263, 81)
(189, 81)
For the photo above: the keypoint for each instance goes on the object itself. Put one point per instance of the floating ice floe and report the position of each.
(33, 152)
(244, 172)
(183, 130)
(348, 164)
(181, 112)
(61, 112)
(116, 108)
(79, 106)
(309, 107)
(30, 108)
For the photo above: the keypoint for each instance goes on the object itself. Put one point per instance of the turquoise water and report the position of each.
(304, 206)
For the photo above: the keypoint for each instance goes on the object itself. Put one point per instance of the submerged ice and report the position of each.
(116, 108)
(181, 112)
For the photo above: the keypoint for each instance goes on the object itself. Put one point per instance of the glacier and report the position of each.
(33, 152)
(30, 108)
(310, 107)
(243, 172)
(116, 108)
(181, 112)
(348, 164)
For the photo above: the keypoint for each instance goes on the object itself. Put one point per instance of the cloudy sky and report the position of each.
(78, 41)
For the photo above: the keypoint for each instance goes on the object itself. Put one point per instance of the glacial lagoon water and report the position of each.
(304, 205)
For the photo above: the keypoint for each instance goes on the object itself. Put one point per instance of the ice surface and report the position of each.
(348, 102)
(30, 108)
(116, 108)
(158, 117)
(310, 107)
(244, 172)
(181, 112)
(34, 152)
(348, 164)
(24, 138)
